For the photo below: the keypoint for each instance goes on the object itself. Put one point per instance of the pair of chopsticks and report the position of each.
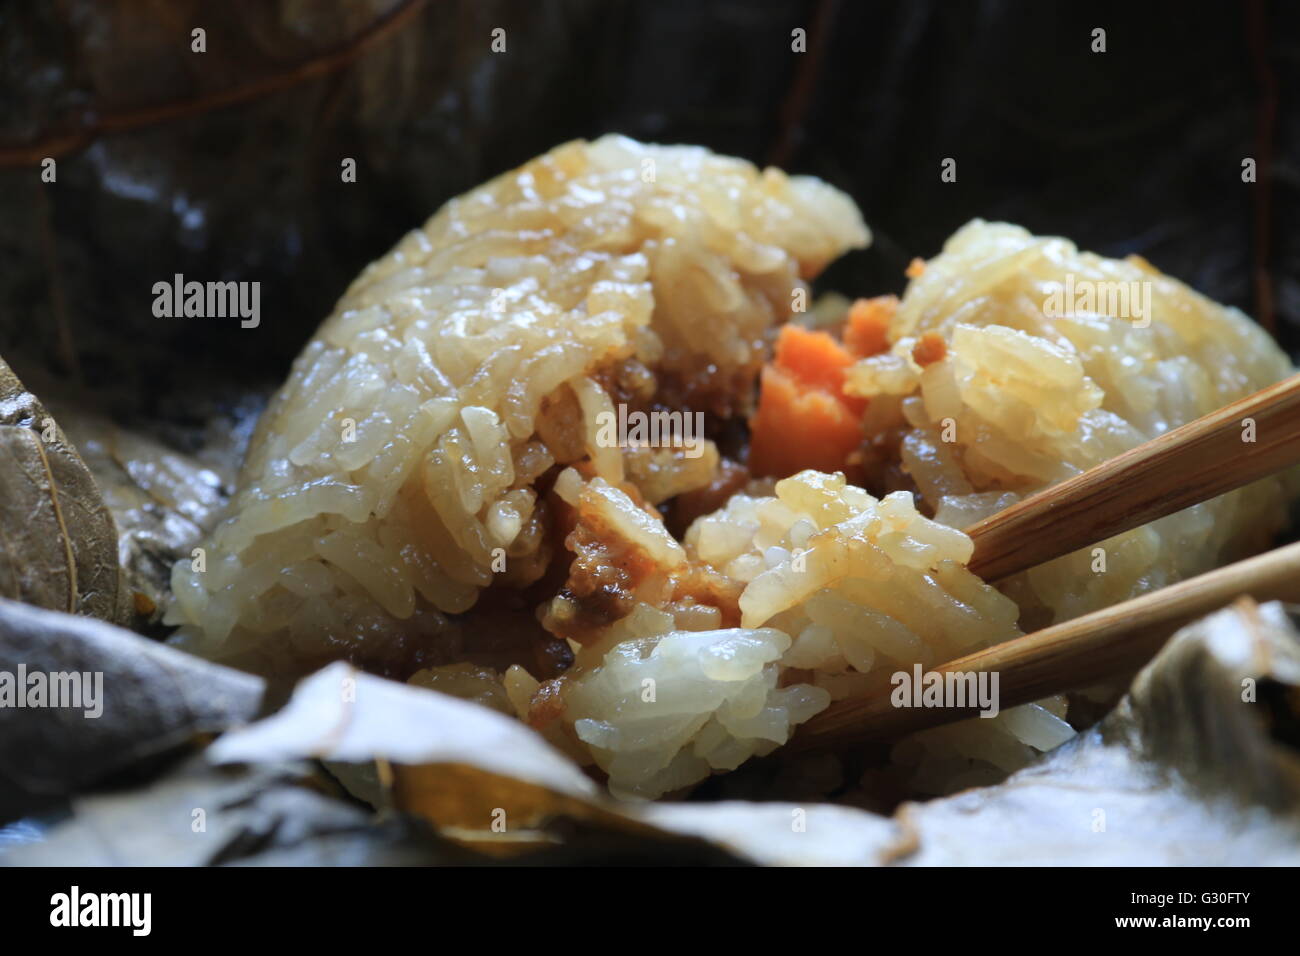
(1187, 465)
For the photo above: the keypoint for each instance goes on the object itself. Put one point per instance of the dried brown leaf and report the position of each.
(475, 774)
(36, 564)
(266, 815)
(58, 538)
(152, 699)
(163, 502)
(453, 762)
(1184, 771)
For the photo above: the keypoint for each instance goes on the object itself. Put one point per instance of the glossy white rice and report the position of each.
(1034, 397)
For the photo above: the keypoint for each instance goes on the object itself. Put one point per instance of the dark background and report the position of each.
(225, 165)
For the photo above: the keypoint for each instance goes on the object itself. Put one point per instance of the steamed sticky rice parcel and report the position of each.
(435, 493)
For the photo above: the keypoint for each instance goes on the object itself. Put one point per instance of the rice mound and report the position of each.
(391, 479)
(836, 591)
(440, 436)
(1031, 397)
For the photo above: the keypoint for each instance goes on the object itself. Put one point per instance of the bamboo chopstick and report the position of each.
(1067, 656)
(1182, 467)
(1187, 465)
